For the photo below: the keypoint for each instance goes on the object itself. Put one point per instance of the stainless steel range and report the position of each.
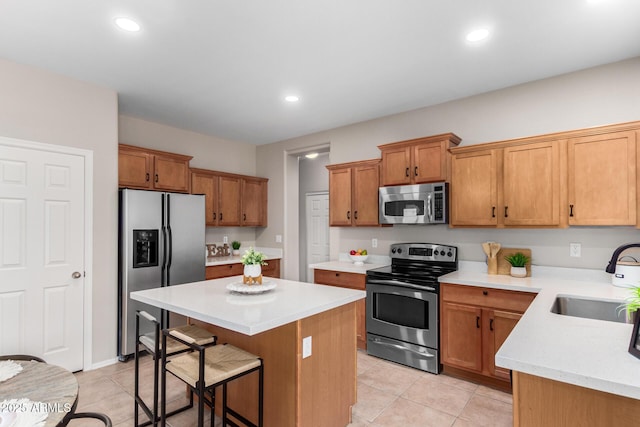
(403, 306)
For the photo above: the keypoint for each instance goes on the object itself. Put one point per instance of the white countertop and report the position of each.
(345, 266)
(211, 302)
(585, 352)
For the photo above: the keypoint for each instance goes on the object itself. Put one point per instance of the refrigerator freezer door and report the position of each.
(140, 258)
(186, 224)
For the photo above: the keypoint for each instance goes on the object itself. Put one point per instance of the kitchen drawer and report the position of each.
(272, 269)
(224, 270)
(487, 297)
(339, 278)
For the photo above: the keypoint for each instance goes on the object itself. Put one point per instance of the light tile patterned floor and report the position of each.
(389, 395)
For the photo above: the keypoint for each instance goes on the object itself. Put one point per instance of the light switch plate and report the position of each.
(306, 347)
(225, 239)
(374, 243)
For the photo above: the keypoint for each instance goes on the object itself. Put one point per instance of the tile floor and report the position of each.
(388, 395)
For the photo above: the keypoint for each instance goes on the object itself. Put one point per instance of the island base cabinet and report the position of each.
(318, 390)
(544, 402)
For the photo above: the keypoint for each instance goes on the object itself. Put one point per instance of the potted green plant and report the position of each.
(236, 247)
(518, 263)
(633, 303)
(253, 261)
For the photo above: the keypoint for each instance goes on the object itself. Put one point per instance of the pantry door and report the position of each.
(42, 251)
(317, 215)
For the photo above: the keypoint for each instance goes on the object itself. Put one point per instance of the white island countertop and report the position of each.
(249, 314)
(585, 352)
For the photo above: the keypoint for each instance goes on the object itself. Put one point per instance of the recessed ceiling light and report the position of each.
(127, 24)
(291, 98)
(311, 155)
(478, 35)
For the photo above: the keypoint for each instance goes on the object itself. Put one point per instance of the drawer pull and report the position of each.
(485, 292)
(337, 274)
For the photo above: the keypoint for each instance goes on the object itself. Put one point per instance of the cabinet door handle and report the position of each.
(415, 171)
(214, 216)
(406, 173)
(348, 214)
(493, 211)
(147, 177)
(220, 216)
(506, 211)
(491, 324)
(156, 177)
(571, 210)
(478, 322)
(355, 214)
(244, 217)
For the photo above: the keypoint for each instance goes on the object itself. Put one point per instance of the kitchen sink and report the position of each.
(612, 311)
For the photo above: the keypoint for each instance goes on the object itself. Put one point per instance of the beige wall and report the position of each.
(597, 96)
(209, 152)
(40, 106)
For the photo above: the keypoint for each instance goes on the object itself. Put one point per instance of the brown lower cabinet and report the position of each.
(272, 269)
(541, 401)
(352, 281)
(474, 322)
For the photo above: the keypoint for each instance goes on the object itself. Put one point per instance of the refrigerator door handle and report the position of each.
(169, 239)
(163, 281)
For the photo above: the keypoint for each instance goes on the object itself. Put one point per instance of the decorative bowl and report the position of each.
(359, 259)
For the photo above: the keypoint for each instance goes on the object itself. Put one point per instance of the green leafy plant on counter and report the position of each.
(252, 257)
(235, 245)
(633, 301)
(517, 260)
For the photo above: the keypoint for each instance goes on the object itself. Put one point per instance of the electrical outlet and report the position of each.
(374, 243)
(306, 347)
(225, 239)
(575, 249)
(278, 238)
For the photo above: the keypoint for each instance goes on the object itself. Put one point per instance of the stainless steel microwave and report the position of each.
(414, 204)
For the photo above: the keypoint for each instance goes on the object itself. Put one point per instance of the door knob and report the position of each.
(76, 275)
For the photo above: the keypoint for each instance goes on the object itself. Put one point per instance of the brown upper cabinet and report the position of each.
(417, 160)
(602, 180)
(231, 200)
(581, 177)
(148, 169)
(353, 193)
(516, 185)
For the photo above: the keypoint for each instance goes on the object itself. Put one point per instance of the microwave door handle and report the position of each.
(398, 282)
(430, 207)
(400, 347)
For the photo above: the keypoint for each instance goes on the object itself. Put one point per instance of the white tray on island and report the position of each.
(243, 288)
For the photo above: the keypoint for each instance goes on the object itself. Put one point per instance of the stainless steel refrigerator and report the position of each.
(161, 243)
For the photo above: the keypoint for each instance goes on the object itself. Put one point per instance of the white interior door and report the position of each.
(42, 254)
(317, 209)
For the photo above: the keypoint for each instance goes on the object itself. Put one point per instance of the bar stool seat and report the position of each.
(221, 363)
(205, 368)
(201, 336)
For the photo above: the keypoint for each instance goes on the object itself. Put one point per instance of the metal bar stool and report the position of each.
(152, 344)
(205, 368)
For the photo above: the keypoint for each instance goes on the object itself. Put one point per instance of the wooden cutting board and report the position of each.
(503, 265)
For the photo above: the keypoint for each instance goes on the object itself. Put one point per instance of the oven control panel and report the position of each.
(424, 251)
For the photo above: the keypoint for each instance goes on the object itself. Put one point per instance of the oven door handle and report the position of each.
(399, 283)
(403, 348)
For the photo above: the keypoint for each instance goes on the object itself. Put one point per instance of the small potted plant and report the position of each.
(633, 303)
(253, 261)
(236, 247)
(518, 263)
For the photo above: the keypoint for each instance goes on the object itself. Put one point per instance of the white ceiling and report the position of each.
(223, 67)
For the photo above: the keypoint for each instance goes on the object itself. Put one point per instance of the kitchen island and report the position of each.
(566, 370)
(298, 391)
